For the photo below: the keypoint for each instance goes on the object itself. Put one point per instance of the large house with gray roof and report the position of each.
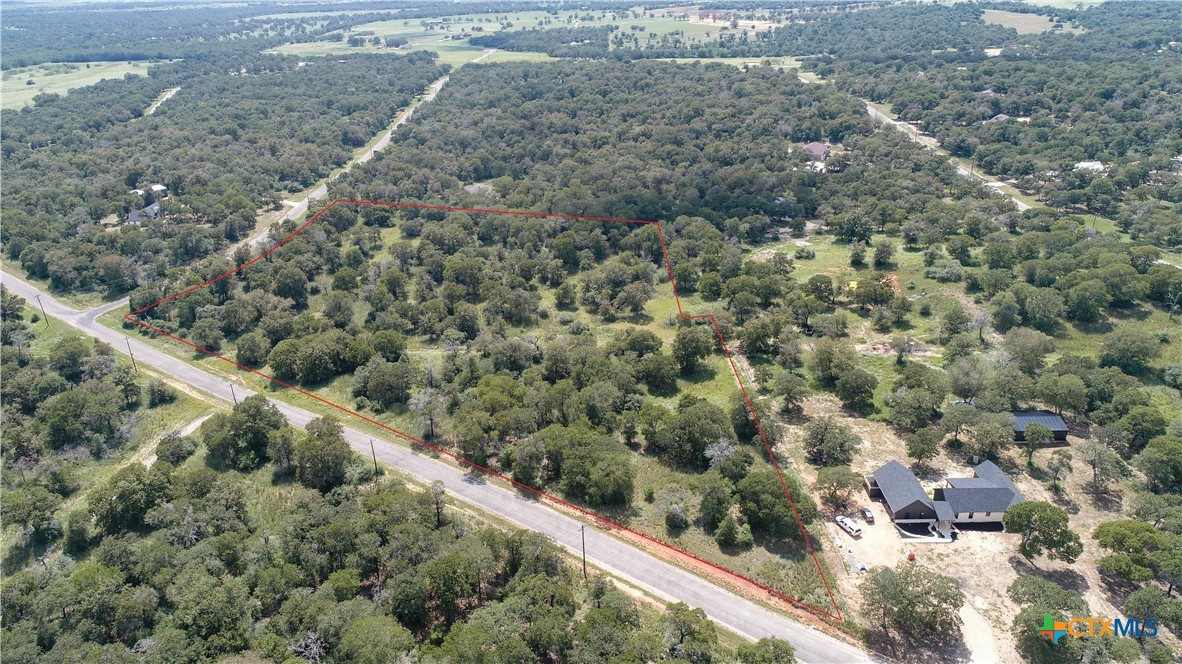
(982, 498)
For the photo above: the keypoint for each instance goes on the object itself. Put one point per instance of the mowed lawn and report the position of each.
(60, 78)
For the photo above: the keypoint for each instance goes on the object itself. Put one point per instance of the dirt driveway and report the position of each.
(879, 545)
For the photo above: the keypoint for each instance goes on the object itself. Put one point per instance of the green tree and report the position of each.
(1044, 529)
(855, 388)
(659, 372)
(389, 383)
(1005, 311)
(792, 389)
(955, 322)
(884, 254)
(207, 333)
(829, 360)
(913, 600)
(322, 455)
(1142, 424)
(696, 425)
(717, 497)
(766, 651)
(1063, 391)
(121, 502)
(727, 533)
(239, 439)
(252, 349)
(1037, 435)
(292, 283)
(375, 640)
(692, 344)
(924, 445)
(1129, 349)
(837, 483)
(1131, 544)
(31, 507)
(688, 633)
(968, 376)
(763, 503)
(1028, 348)
(1044, 307)
(990, 433)
(828, 442)
(1105, 463)
(67, 356)
(1161, 461)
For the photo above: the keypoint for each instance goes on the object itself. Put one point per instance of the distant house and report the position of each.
(139, 216)
(982, 498)
(159, 191)
(988, 92)
(1024, 418)
(137, 192)
(1000, 117)
(818, 151)
(1094, 166)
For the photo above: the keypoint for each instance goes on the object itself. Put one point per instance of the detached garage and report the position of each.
(1024, 418)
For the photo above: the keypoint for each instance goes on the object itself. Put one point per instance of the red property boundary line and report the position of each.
(836, 615)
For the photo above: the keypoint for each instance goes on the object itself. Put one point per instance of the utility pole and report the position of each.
(131, 354)
(233, 393)
(43, 314)
(583, 534)
(375, 457)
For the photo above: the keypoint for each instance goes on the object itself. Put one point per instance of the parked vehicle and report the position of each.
(867, 515)
(849, 526)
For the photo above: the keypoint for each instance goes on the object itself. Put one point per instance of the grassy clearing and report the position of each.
(448, 35)
(16, 91)
(1025, 24)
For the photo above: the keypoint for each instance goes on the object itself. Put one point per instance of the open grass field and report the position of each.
(1025, 24)
(442, 35)
(59, 78)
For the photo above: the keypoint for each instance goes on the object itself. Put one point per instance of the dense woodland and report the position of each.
(1069, 97)
(65, 168)
(178, 562)
(550, 349)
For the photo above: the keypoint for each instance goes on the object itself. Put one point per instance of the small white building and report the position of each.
(1094, 166)
(159, 191)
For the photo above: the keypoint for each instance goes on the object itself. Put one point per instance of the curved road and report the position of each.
(661, 578)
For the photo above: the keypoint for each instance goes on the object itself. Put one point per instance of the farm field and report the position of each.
(441, 34)
(59, 78)
(1025, 24)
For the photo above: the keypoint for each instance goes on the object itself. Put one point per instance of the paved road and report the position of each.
(614, 556)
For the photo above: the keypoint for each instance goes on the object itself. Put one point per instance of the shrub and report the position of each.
(945, 271)
(175, 448)
(676, 518)
(159, 393)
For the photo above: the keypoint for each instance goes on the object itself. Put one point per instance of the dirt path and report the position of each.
(932, 144)
(147, 454)
(165, 96)
(978, 635)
